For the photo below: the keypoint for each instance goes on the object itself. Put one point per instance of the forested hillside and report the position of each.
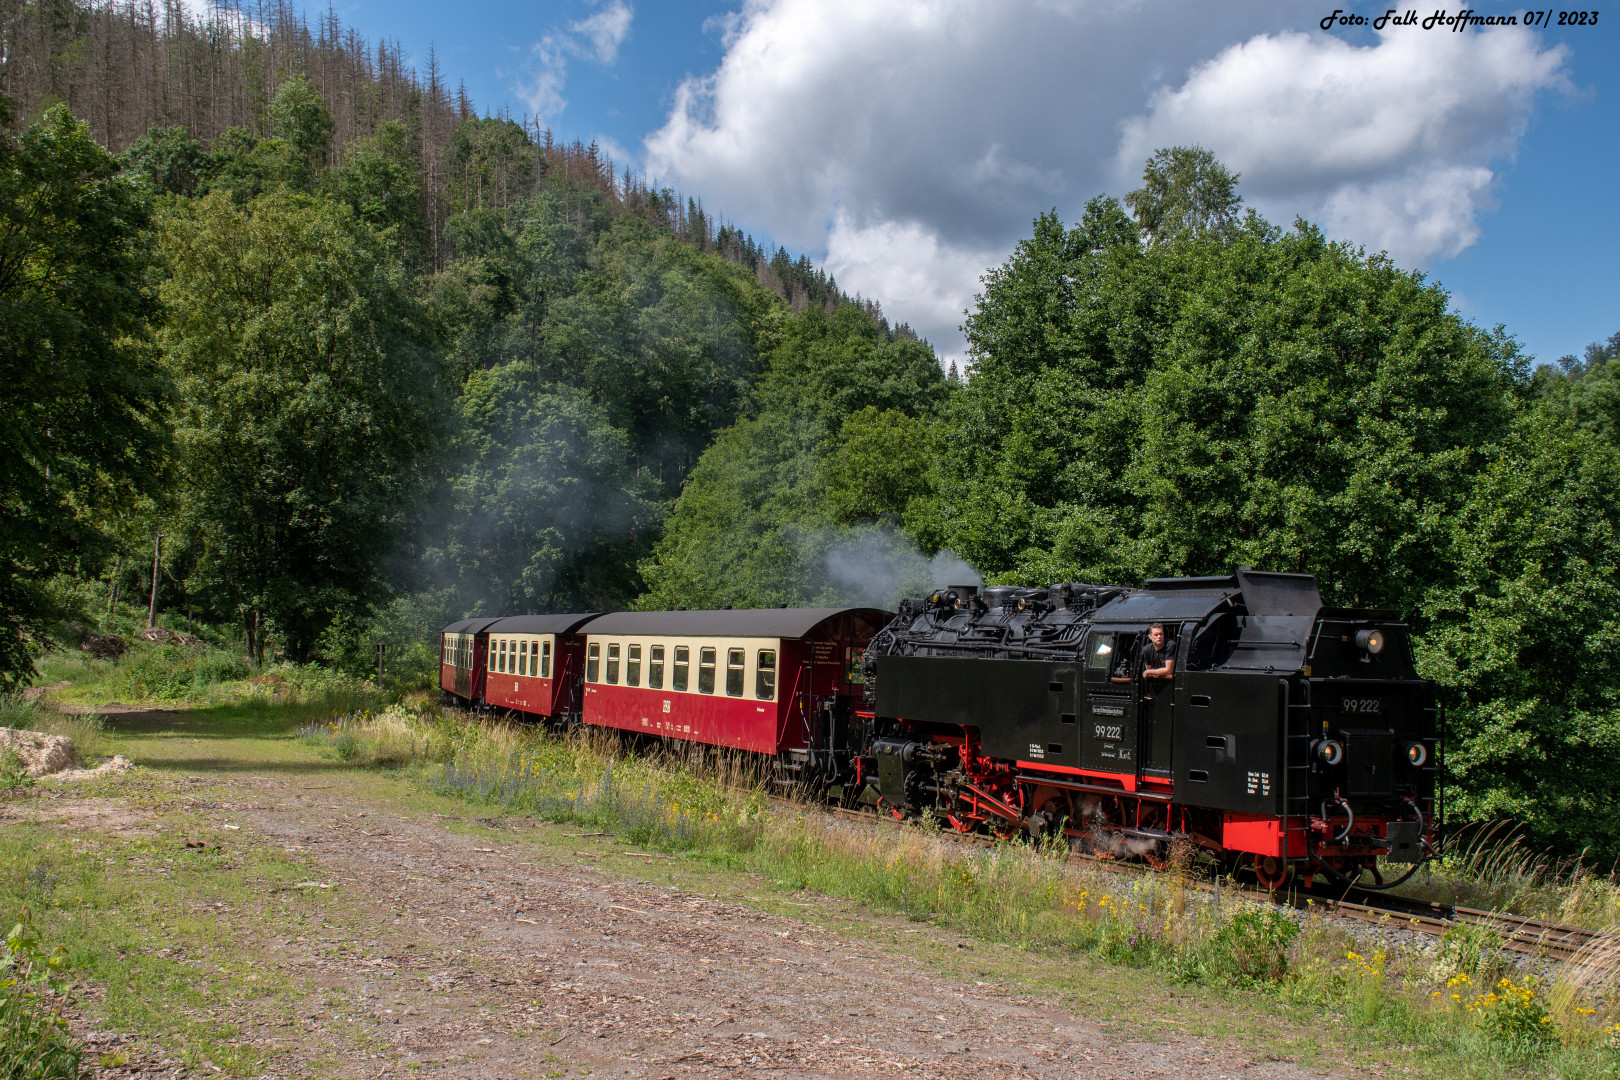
(292, 328)
(344, 358)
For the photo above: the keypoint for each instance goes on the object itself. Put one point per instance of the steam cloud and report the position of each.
(876, 567)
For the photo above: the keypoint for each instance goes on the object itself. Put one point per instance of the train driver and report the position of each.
(1158, 658)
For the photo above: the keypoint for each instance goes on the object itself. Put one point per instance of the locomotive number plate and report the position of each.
(1109, 731)
(1370, 706)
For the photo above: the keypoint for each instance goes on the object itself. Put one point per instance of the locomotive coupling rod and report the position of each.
(1099, 789)
(995, 804)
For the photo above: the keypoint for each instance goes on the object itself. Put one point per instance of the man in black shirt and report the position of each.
(1158, 658)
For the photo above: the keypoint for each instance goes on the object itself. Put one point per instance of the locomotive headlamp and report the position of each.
(1330, 751)
(1371, 641)
(1417, 753)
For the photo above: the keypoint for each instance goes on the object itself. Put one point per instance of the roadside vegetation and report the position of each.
(1462, 998)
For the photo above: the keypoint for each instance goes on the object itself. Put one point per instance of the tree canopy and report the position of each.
(83, 396)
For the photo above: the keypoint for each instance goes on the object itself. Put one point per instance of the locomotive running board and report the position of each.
(1098, 789)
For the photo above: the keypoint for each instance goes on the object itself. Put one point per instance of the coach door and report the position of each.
(1108, 735)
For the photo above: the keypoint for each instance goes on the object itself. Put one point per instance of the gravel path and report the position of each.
(520, 966)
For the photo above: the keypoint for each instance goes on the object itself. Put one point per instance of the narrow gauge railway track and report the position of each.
(1519, 933)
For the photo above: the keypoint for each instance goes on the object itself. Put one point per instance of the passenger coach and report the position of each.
(535, 663)
(777, 681)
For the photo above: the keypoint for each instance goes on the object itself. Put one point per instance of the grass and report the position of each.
(200, 674)
(168, 932)
(1466, 1006)
(88, 730)
(1490, 867)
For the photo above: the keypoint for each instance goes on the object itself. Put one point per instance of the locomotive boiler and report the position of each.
(1279, 735)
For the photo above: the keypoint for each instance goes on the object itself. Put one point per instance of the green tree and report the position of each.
(1262, 398)
(381, 182)
(1524, 634)
(82, 395)
(841, 437)
(299, 118)
(1185, 192)
(168, 159)
(312, 401)
(548, 510)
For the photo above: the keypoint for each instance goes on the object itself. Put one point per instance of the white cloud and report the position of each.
(913, 141)
(596, 38)
(1386, 144)
(606, 30)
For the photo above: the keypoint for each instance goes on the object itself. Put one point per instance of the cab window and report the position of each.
(593, 663)
(765, 675)
(632, 666)
(613, 662)
(1100, 655)
(705, 671)
(683, 660)
(655, 667)
(735, 662)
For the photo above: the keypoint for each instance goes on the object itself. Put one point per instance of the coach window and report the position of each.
(765, 676)
(545, 659)
(613, 662)
(523, 658)
(736, 660)
(655, 668)
(683, 661)
(705, 671)
(504, 666)
(632, 667)
(593, 663)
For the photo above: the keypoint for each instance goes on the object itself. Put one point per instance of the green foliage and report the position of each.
(379, 181)
(168, 159)
(547, 497)
(299, 117)
(1251, 949)
(1185, 193)
(82, 394)
(34, 1041)
(176, 672)
(1268, 399)
(311, 400)
(842, 435)
(1524, 632)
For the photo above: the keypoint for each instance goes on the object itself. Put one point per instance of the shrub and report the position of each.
(1251, 949)
(34, 1042)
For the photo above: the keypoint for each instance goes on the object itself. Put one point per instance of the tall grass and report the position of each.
(1490, 866)
(1468, 1002)
(193, 674)
(86, 729)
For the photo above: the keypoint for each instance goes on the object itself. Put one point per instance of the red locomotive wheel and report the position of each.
(1271, 872)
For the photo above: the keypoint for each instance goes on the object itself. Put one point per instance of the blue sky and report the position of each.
(907, 144)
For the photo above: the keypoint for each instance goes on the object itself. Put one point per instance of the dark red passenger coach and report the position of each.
(774, 681)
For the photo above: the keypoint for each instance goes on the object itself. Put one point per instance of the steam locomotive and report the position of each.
(1279, 735)
(1288, 736)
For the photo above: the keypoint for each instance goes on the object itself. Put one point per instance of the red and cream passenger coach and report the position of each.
(772, 680)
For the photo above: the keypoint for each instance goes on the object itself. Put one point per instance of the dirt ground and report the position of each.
(493, 955)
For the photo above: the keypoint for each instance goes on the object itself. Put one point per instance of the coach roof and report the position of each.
(749, 622)
(541, 624)
(469, 626)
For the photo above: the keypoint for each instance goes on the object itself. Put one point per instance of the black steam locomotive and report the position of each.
(1280, 734)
